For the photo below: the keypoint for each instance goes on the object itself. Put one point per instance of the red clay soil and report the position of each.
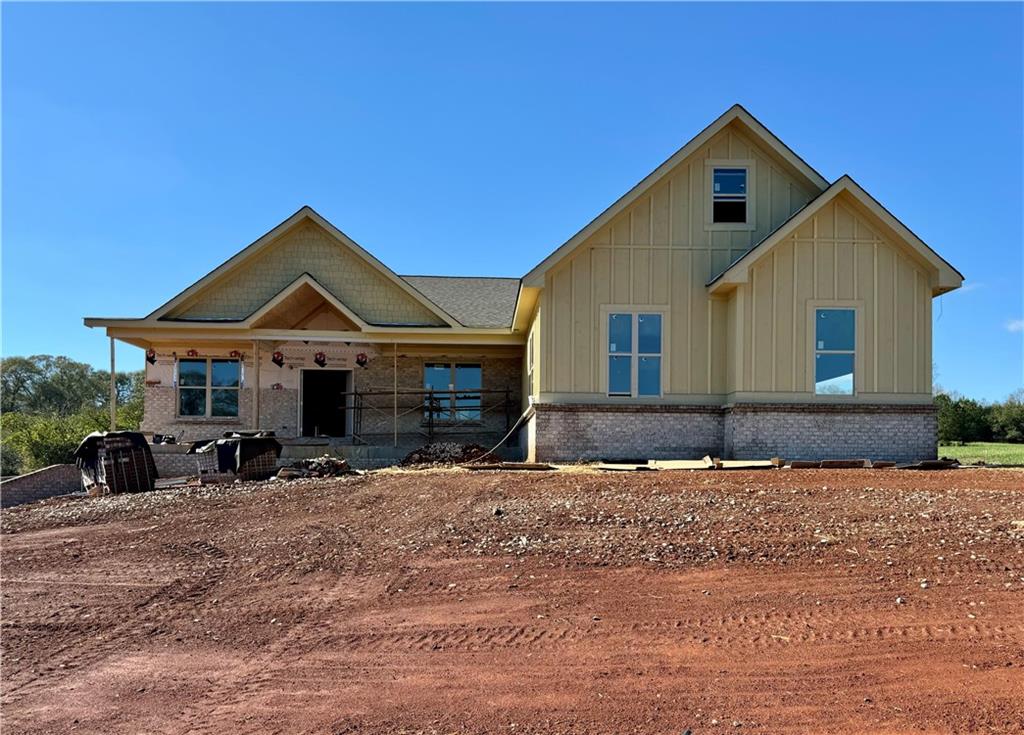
(445, 601)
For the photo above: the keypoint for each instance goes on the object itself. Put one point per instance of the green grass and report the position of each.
(988, 452)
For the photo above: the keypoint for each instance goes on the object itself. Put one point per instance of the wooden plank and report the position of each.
(844, 464)
(746, 464)
(615, 467)
(508, 466)
(678, 464)
(931, 464)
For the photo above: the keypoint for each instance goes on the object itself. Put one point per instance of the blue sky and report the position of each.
(145, 144)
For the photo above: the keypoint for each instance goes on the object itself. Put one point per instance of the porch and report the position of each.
(332, 395)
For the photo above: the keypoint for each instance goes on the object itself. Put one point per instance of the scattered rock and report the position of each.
(444, 453)
(325, 466)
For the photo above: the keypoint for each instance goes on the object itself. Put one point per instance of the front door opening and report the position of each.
(324, 403)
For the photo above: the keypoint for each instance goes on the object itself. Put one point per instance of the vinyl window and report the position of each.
(458, 385)
(208, 387)
(729, 195)
(634, 354)
(834, 351)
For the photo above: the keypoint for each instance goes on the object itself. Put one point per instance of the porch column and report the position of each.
(113, 389)
(255, 385)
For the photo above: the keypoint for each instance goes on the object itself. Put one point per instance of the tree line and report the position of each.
(49, 403)
(964, 419)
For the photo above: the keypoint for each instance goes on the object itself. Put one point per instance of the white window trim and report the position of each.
(709, 184)
(209, 388)
(634, 310)
(858, 346)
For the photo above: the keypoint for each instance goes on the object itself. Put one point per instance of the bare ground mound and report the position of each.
(446, 601)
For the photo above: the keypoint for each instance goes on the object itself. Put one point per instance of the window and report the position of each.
(729, 195)
(634, 354)
(457, 387)
(834, 350)
(208, 387)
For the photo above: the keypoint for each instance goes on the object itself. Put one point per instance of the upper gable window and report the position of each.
(730, 201)
(729, 195)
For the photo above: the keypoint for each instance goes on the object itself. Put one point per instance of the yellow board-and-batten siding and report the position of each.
(835, 258)
(658, 253)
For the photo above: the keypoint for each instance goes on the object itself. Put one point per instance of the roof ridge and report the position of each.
(430, 275)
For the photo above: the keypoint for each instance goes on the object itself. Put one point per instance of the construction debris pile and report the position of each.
(444, 453)
(115, 462)
(245, 455)
(325, 466)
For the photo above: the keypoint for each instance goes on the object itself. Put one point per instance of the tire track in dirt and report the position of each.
(234, 687)
(79, 653)
(730, 634)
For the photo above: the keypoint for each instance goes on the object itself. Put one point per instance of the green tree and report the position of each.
(18, 377)
(52, 386)
(49, 403)
(40, 441)
(1008, 418)
(131, 389)
(962, 419)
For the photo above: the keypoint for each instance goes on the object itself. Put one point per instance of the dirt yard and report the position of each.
(444, 601)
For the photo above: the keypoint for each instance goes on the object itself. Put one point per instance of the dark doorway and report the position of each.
(324, 405)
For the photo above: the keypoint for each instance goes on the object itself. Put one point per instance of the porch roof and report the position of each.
(475, 301)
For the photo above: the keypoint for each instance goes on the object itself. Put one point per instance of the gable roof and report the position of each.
(474, 301)
(949, 278)
(304, 283)
(303, 214)
(736, 113)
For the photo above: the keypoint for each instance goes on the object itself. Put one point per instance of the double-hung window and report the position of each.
(729, 195)
(208, 387)
(457, 386)
(634, 354)
(835, 344)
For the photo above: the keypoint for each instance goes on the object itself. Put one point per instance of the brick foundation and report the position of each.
(900, 433)
(58, 479)
(572, 432)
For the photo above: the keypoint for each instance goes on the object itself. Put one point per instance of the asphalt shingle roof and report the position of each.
(474, 301)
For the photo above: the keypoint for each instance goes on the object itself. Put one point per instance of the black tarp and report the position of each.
(88, 451)
(116, 462)
(235, 449)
